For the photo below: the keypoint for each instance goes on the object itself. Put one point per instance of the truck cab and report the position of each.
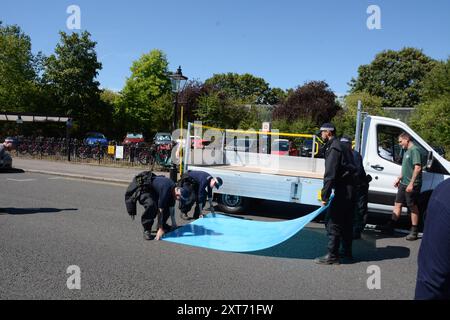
(382, 159)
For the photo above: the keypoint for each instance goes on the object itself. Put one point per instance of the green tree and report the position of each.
(345, 120)
(217, 110)
(70, 74)
(394, 76)
(19, 70)
(245, 88)
(145, 97)
(437, 82)
(431, 118)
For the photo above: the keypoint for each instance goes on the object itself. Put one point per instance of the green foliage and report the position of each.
(70, 76)
(431, 118)
(245, 88)
(437, 82)
(305, 126)
(432, 122)
(395, 76)
(145, 99)
(345, 120)
(19, 91)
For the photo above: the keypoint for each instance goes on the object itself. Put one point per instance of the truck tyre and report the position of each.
(231, 204)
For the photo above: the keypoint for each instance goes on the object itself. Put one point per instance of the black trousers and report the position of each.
(197, 210)
(150, 204)
(339, 221)
(362, 198)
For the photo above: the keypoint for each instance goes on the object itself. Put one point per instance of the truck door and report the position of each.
(386, 164)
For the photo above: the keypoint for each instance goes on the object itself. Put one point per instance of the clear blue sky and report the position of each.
(286, 42)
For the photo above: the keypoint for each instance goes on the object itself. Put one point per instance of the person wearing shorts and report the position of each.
(409, 185)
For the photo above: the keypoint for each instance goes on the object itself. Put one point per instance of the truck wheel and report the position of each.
(231, 204)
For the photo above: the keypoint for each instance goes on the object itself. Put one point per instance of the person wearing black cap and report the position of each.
(157, 194)
(203, 186)
(361, 190)
(339, 176)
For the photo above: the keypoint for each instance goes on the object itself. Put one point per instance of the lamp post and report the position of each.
(178, 81)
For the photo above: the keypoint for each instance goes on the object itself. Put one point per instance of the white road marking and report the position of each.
(22, 180)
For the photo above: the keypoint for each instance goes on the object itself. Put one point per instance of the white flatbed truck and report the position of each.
(250, 176)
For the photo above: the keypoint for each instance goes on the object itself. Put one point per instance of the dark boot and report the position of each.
(327, 260)
(148, 235)
(389, 227)
(413, 234)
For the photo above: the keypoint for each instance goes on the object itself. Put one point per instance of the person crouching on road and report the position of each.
(339, 218)
(159, 201)
(203, 184)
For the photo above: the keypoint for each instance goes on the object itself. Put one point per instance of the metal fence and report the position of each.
(134, 155)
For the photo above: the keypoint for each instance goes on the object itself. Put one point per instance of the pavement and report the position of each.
(79, 171)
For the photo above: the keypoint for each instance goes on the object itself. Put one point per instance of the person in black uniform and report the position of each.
(203, 186)
(433, 275)
(157, 194)
(361, 191)
(339, 176)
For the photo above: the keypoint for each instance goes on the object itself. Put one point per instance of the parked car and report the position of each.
(94, 138)
(132, 138)
(162, 138)
(280, 147)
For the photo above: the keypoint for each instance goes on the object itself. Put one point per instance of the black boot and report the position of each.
(389, 227)
(413, 234)
(327, 260)
(148, 235)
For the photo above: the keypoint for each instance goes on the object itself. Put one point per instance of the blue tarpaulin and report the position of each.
(221, 232)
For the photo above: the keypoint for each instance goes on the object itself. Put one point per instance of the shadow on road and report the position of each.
(4, 171)
(26, 211)
(311, 243)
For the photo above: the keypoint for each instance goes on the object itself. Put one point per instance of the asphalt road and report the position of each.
(49, 223)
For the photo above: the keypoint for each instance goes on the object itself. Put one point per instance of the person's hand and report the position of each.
(397, 182)
(410, 188)
(159, 234)
(324, 203)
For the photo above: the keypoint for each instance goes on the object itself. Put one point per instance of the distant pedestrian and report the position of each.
(433, 276)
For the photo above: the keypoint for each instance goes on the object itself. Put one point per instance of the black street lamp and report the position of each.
(178, 81)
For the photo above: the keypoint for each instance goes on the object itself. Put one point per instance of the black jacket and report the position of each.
(340, 169)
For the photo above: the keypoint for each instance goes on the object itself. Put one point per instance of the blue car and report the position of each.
(94, 138)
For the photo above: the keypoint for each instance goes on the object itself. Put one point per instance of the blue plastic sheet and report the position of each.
(221, 232)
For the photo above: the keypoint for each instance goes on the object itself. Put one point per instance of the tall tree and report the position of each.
(345, 119)
(246, 88)
(19, 70)
(431, 118)
(71, 74)
(313, 101)
(143, 95)
(394, 76)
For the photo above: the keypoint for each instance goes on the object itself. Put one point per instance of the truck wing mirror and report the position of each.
(430, 159)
